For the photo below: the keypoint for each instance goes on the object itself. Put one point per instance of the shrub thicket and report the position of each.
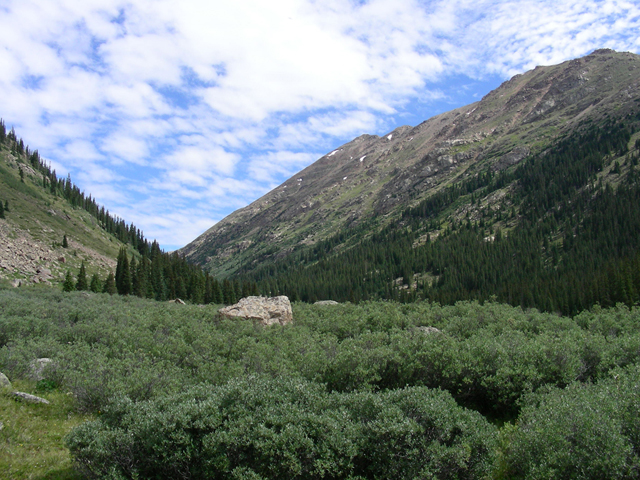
(286, 428)
(486, 356)
(585, 431)
(365, 372)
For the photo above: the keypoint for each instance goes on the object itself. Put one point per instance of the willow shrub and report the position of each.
(257, 427)
(586, 431)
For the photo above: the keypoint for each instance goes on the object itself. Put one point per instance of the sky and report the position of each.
(173, 114)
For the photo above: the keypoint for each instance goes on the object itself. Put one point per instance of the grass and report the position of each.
(32, 436)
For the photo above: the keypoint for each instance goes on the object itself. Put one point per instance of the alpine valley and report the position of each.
(530, 196)
(527, 198)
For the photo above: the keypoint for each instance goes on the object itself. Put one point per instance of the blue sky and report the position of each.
(174, 114)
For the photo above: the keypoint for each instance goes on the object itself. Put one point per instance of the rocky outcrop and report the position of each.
(326, 302)
(267, 310)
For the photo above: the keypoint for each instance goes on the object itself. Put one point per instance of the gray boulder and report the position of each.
(37, 368)
(26, 397)
(326, 302)
(267, 310)
(4, 381)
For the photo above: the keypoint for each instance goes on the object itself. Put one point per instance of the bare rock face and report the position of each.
(267, 310)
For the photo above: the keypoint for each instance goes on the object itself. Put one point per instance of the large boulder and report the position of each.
(267, 310)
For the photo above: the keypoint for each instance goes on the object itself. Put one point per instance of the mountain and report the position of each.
(377, 178)
(42, 212)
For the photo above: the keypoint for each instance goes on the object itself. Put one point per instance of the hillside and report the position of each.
(37, 221)
(378, 177)
(539, 160)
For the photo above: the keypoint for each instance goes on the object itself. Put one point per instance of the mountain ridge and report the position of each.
(376, 177)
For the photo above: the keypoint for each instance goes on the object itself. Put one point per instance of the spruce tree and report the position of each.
(69, 284)
(6, 205)
(110, 285)
(95, 285)
(65, 242)
(125, 287)
(1, 210)
(82, 283)
(228, 292)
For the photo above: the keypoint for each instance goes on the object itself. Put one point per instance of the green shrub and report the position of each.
(585, 431)
(286, 428)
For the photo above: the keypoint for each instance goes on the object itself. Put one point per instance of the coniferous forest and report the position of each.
(143, 268)
(564, 241)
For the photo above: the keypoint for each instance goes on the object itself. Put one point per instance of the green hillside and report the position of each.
(53, 233)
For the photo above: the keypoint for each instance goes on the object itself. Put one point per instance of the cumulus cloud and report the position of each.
(190, 109)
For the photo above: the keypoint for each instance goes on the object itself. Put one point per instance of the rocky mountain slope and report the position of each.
(36, 223)
(376, 178)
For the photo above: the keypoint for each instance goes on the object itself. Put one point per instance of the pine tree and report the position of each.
(1, 210)
(110, 285)
(95, 285)
(82, 284)
(125, 286)
(6, 206)
(65, 242)
(228, 293)
(69, 284)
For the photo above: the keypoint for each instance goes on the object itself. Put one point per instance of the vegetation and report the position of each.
(565, 240)
(347, 391)
(31, 439)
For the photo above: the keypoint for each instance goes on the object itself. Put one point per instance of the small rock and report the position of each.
(4, 381)
(326, 302)
(178, 301)
(43, 271)
(16, 283)
(37, 367)
(62, 259)
(428, 330)
(26, 397)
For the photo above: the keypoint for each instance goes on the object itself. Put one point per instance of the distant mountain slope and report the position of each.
(51, 228)
(369, 182)
(34, 227)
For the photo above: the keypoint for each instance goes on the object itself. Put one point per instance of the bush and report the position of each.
(585, 431)
(286, 428)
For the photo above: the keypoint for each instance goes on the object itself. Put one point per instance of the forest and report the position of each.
(347, 391)
(564, 240)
